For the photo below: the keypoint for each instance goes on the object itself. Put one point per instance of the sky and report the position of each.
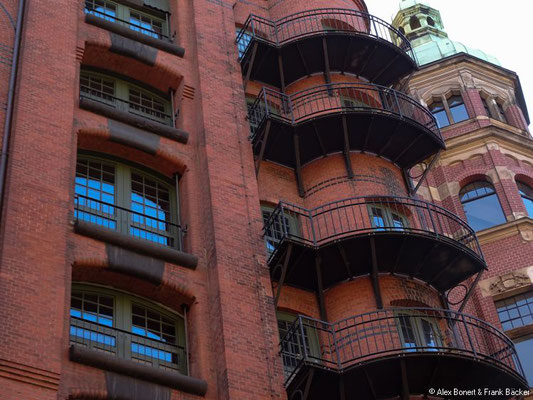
(499, 28)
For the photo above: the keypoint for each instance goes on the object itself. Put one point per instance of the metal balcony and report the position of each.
(323, 41)
(397, 352)
(363, 235)
(342, 117)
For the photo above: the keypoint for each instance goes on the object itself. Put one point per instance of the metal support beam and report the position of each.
(298, 169)
(446, 268)
(319, 140)
(374, 275)
(283, 274)
(386, 67)
(345, 261)
(367, 134)
(363, 69)
(250, 65)
(327, 71)
(370, 384)
(423, 262)
(302, 59)
(389, 140)
(281, 72)
(405, 382)
(307, 388)
(263, 147)
(320, 289)
(347, 55)
(407, 148)
(470, 291)
(424, 175)
(346, 151)
(342, 392)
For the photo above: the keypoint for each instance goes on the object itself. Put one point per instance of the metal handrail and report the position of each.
(134, 223)
(357, 216)
(339, 97)
(323, 20)
(392, 332)
(127, 345)
(125, 105)
(133, 27)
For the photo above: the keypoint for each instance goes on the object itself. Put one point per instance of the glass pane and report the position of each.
(244, 41)
(407, 332)
(524, 349)
(438, 111)
(484, 212)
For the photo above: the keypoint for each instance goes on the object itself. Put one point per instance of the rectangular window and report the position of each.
(145, 22)
(516, 311)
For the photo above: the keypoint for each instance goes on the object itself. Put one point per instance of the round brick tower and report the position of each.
(361, 266)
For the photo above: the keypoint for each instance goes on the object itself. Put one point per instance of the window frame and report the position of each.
(312, 341)
(121, 99)
(480, 197)
(416, 325)
(388, 218)
(124, 221)
(123, 17)
(526, 198)
(123, 303)
(292, 223)
(444, 101)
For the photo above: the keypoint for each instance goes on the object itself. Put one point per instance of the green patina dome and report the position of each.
(423, 26)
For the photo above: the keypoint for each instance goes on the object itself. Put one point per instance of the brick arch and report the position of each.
(93, 270)
(520, 177)
(96, 138)
(161, 75)
(479, 174)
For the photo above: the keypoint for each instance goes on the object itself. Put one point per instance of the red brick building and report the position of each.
(188, 215)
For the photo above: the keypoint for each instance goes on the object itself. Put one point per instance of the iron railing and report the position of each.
(132, 26)
(322, 21)
(338, 97)
(128, 345)
(392, 332)
(367, 215)
(153, 228)
(127, 106)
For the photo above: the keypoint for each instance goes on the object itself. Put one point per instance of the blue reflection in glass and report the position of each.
(484, 212)
(524, 349)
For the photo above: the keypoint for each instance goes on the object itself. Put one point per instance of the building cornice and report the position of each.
(522, 226)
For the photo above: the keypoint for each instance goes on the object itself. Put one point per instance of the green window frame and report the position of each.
(386, 218)
(276, 234)
(128, 327)
(125, 96)
(293, 348)
(147, 22)
(126, 199)
(418, 332)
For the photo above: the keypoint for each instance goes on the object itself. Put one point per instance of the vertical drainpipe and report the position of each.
(10, 102)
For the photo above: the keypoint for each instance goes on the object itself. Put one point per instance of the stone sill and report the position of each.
(131, 119)
(137, 36)
(137, 245)
(522, 226)
(107, 362)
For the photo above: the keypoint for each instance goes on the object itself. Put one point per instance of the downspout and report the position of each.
(10, 102)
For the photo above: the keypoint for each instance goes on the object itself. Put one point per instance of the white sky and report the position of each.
(499, 28)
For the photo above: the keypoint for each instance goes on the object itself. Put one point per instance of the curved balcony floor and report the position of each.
(396, 352)
(400, 235)
(280, 52)
(313, 123)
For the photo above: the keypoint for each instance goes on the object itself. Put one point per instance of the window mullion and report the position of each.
(124, 197)
(447, 108)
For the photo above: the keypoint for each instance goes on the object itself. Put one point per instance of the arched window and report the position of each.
(430, 21)
(527, 197)
(127, 327)
(126, 199)
(481, 205)
(414, 23)
(501, 113)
